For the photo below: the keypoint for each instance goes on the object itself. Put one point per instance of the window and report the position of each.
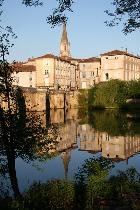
(84, 74)
(97, 71)
(107, 76)
(47, 73)
(92, 73)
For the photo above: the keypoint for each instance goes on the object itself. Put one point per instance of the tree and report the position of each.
(21, 132)
(58, 15)
(127, 11)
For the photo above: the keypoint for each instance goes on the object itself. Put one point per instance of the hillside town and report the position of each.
(63, 72)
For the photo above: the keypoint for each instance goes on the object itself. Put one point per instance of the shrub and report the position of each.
(55, 194)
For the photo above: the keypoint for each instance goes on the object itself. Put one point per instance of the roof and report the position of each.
(87, 60)
(43, 56)
(119, 52)
(20, 67)
(51, 56)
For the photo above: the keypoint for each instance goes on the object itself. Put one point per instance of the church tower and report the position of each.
(64, 45)
(66, 156)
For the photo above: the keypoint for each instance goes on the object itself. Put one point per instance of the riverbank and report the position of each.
(91, 189)
(113, 94)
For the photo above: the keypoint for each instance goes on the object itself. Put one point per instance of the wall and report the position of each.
(37, 100)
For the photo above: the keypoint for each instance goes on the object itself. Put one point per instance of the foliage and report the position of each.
(93, 167)
(127, 11)
(58, 15)
(21, 131)
(100, 191)
(83, 98)
(55, 194)
(113, 94)
(134, 89)
(109, 94)
(113, 122)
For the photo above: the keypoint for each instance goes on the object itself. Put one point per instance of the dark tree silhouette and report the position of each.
(58, 15)
(21, 131)
(127, 11)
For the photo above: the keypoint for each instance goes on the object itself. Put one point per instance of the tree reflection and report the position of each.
(113, 122)
(21, 135)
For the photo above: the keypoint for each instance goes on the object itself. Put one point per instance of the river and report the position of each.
(81, 135)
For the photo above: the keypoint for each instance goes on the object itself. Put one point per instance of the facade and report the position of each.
(24, 75)
(55, 73)
(47, 72)
(120, 65)
(90, 72)
(50, 72)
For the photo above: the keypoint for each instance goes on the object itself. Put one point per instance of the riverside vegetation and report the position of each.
(112, 94)
(92, 188)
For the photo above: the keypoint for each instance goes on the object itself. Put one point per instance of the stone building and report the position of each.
(121, 65)
(24, 75)
(90, 72)
(63, 72)
(49, 71)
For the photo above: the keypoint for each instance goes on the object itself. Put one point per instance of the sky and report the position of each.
(88, 34)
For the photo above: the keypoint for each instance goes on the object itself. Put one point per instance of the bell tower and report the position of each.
(64, 45)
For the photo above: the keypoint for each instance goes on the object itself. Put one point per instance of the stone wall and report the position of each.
(38, 100)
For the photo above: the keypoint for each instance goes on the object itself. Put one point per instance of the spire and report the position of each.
(66, 159)
(64, 45)
(64, 34)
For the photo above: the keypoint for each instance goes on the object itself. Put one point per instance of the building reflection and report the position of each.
(91, 140)
(65, 123)
(114, 147)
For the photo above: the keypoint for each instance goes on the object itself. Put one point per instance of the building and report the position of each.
(121, 65)
(90, 72)
(51, 72)
(24, 75)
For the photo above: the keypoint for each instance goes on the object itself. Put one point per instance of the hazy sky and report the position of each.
(87, 32)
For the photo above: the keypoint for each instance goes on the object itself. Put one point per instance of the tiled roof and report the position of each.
(43, 56)
(119, 52)
(19, 67)
(51, 56)
(88, 60)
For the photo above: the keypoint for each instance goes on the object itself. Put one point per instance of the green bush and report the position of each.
(112, 94)
(83, 98)
(55, 194)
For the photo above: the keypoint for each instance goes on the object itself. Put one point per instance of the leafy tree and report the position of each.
(112, 93)
(21, 132)
(127, 11)
(58, 14)
(55, 194)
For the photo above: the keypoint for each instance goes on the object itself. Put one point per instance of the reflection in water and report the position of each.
(98, 138)
(75, 135)
(112, 133)
(115, 147)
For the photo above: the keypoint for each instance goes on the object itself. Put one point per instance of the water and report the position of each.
(111, 134)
